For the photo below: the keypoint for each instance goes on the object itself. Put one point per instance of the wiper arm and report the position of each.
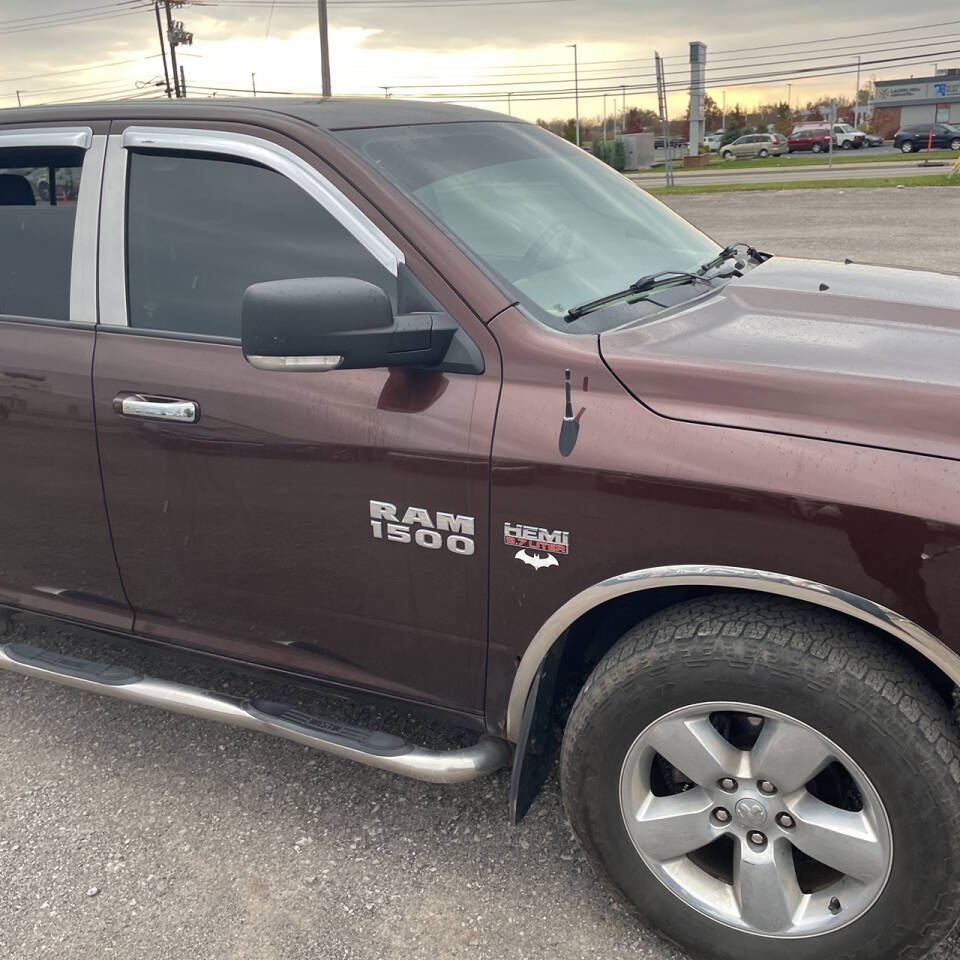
(642, 285)
(731, 251)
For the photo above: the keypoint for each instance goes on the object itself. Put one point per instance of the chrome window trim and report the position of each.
(112, 269)
(283, 161)
(740, 578)
(81, 137)
(83, 267)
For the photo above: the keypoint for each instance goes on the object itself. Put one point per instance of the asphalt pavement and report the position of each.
(128, 832)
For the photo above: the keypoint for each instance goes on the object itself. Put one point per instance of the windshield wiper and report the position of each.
(643, 285)
(729, 252)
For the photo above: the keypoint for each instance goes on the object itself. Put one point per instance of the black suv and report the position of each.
(920, 136)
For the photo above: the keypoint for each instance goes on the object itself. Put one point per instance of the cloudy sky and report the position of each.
(476, 48)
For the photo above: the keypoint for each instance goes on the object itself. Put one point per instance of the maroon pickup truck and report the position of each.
(423, 404)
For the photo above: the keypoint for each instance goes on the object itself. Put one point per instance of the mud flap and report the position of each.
(534, 754)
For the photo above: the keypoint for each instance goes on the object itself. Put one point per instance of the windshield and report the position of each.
(552, 223)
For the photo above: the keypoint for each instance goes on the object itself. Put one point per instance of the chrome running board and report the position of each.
(375, 749)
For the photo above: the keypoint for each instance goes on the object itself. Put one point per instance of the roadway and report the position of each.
(839, 171)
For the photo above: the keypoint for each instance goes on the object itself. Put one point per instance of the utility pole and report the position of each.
(698, 66)
(324, 47)
(723, 114)
(623, 93)
(604, 118)
(163, 49)
(183, 84)
(253, 82)
(833, 120)
(664, 117)
(789, 99)
(509, 109)
(856, 97)
(19, 104)
(176, 36)
(386, 93)
(576, 90)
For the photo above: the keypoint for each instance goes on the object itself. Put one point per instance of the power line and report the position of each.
(75, 21)
(89, 66)
(547, 78)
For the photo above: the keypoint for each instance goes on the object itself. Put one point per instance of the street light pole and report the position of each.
(324, 47)
(604, 118)
(576, 90)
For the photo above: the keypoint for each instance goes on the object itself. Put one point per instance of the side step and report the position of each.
(382, 750)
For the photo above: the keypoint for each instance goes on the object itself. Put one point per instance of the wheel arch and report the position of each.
(680, 579)
(612, 606)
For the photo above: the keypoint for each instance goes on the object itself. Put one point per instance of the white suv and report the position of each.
(844, 136)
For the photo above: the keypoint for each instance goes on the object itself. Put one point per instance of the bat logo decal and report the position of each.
(536, 561)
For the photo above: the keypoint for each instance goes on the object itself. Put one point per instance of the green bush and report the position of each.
(611, 152)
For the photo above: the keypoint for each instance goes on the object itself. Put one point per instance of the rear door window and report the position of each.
(38, 209)
(201, 229)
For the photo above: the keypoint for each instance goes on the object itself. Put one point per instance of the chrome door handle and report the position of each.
(156, 408)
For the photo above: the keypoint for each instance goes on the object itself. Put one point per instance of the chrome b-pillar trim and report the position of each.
(740, 578)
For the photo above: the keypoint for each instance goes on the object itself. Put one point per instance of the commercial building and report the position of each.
(933, 99)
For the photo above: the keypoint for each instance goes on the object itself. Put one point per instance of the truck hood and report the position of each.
(842, 352)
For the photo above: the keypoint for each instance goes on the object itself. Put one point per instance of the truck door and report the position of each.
(55, 552)
(302, 520)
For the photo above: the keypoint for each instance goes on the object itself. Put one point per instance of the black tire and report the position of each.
(955, 144)
(846, 145)
(816, 666)
(817, 148)
(764, 153)
(726, 155)
(907, 146)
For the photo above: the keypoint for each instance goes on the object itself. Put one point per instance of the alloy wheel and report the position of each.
(756, 819)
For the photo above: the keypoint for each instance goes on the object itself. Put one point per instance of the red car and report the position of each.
(816, 139)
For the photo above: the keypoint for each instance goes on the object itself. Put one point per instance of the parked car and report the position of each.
(872, 140)
(845, 136)
(676, 143)
(754, 145)
(918, 136)
(383, 402)
(816, 139)
(714, 140)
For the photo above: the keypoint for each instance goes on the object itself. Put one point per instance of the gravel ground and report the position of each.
(133, 833)
(914, 227)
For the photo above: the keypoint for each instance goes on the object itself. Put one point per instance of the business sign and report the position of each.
(917, 91)
(905, 91)
(944, 89)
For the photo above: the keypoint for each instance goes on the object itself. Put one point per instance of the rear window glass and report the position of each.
(38, 208)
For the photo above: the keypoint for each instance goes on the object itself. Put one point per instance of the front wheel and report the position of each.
(906, 146)
(763, 153)
(762, 778)
(817, 148)
(726, 155)
(846, 145)
(955, 144)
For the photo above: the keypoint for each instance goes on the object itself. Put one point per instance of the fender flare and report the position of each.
(742, 578)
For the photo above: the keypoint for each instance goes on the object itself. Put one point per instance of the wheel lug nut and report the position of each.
(785, 821)
(757, 838)
(766, 787)
(728, 784)
(721, 815)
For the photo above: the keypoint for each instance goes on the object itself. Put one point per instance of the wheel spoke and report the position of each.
(789, 755)
(696, 748)
(765, 885)
(842, 839)
(665, 828)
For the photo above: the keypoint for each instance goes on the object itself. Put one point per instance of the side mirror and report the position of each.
(331, 323)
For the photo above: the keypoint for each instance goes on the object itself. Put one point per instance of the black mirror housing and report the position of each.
(329, 323)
